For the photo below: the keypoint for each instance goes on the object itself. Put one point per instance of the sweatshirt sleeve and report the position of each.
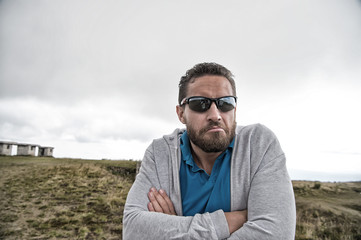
(139, 223)
(271, 204)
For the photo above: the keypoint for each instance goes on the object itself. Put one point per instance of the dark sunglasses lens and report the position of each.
(226, 104)
(199, 104)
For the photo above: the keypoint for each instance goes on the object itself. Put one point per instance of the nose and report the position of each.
(213, 113)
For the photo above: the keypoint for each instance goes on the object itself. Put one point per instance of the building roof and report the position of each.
(28, 144)
(8, 142)
(24, 144)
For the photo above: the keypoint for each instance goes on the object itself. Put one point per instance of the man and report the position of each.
(213, 180)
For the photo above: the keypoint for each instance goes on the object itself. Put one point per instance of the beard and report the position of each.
(215, 141)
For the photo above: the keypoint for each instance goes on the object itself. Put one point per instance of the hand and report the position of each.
(235, 220)
(160, 202)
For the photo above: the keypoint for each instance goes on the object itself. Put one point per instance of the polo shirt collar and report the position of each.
(187, 153)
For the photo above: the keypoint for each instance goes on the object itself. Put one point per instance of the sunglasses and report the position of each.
(202, 104)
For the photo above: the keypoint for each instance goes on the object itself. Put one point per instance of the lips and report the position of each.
(213, 128)
(216, 129)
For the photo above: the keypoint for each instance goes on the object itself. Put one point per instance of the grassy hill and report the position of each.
(51, 198)
(328, 210)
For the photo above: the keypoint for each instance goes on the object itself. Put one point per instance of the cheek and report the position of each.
(229, 119)
(193, 118)
(194, 121)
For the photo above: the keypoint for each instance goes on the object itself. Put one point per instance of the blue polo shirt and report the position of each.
(202, 192)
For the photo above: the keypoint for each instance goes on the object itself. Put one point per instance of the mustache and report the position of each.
(210, 126)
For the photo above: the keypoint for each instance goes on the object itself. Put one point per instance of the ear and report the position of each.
(180, 113)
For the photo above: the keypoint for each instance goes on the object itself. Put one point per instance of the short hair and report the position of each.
(201, 70)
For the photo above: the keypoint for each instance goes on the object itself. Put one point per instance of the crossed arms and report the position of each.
(145, 217)
(160, 202)
(157, 215)
(264, 190)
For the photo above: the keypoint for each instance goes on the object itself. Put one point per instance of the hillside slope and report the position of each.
(328, 210)
(50, 198)
(47, 198)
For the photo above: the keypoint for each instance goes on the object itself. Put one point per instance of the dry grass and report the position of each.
(328, 210)
(47, 198)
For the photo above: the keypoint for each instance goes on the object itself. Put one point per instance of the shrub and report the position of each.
(317, 185)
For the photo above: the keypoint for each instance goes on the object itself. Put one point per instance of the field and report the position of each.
(328, 210)
(49, 198)
(52, 198)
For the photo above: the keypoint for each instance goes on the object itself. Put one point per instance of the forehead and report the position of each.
(210, 86)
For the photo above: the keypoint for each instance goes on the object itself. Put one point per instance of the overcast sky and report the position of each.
(99, 79)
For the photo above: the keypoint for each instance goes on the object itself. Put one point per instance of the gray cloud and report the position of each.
(91, 121)
(80, 50)
(91, 71)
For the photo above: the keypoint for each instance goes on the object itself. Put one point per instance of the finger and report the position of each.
(154, 202)
(150, 207)
(162, 202)
(168, 201)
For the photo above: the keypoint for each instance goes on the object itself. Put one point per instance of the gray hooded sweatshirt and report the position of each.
(259, 183)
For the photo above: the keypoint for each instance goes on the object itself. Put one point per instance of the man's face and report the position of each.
(212, 130)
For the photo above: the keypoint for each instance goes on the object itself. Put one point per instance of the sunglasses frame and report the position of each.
(215, 100)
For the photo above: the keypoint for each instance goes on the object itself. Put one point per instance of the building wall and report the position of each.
(26, 150)
(49, 152)
(5, 149)
(45, 152)
(8, 148)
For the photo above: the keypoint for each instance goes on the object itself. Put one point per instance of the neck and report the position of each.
(203, 159)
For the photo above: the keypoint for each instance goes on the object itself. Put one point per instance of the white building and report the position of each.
(45, 151)
(6, 148)
(26, 149)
